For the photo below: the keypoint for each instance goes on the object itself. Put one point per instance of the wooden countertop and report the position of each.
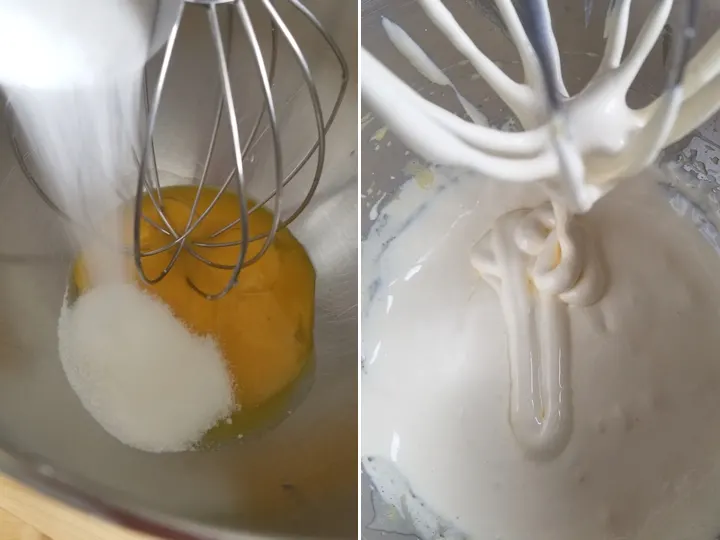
(27, 515)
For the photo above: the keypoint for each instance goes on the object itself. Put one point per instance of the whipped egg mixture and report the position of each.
(539, 331)
(620, 441)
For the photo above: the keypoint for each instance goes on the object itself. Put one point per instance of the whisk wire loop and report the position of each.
(148, 182)
(544, 151)
(142, 177)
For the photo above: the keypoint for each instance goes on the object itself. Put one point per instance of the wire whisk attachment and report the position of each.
(183, 238)
(579, 162)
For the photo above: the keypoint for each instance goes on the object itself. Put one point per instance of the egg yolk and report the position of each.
(264, 324)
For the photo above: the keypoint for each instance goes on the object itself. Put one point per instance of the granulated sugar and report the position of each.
(49, 44)
(139, 372)
(75, 86)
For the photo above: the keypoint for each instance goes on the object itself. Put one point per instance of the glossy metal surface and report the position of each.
(298, 480)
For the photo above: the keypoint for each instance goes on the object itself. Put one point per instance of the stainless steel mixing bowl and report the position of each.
(297, 480)
(693, 179)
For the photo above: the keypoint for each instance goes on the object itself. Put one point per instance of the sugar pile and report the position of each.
(74, 82)
(139, 372)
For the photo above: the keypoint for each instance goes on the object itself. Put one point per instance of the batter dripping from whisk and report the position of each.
(598, 309)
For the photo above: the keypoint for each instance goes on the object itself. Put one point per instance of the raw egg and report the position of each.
(263, 325)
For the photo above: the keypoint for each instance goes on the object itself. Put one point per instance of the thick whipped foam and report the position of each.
(582, 151)
(540, 262)
(635, 373)
(537, 260)
(584, 343)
